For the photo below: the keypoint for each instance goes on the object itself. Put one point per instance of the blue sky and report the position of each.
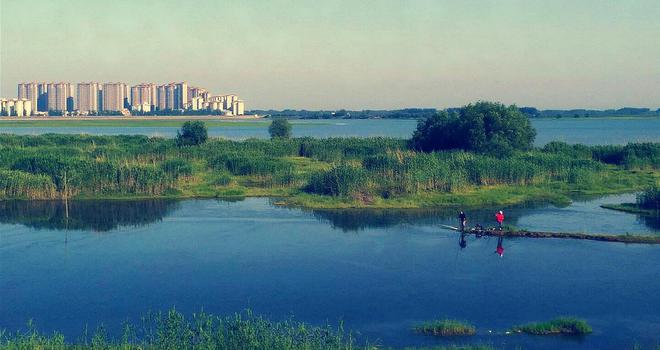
(347, 54)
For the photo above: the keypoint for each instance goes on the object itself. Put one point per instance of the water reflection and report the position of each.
(85, 215)
(500, 249)
(652, 221)
(462, 242)
(360, 219)
(580, 216)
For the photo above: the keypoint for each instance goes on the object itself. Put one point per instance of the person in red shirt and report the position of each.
(500, 218)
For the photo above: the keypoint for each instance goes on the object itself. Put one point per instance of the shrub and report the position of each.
(280, 128)
(192, 133)
(483, 127)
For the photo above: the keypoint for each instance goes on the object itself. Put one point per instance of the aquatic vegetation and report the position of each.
(173, 330)
(446, 327)
(332, 172)
(563, 325)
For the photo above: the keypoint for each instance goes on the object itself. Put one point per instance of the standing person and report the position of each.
(500, 219)
(462, 221)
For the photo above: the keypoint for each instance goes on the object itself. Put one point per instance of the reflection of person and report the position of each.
(462, 243)
(462, 221)
(500, 218)
(500, 249)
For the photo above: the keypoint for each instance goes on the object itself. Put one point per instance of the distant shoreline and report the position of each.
(140, 118)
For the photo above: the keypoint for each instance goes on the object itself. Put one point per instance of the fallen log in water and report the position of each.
(566, 235)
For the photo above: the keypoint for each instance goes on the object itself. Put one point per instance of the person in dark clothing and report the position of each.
(462, 221)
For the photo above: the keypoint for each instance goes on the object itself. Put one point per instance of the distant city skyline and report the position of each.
(385, 54)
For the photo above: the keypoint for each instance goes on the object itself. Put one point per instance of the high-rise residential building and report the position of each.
(180, 95)
(42, 97)
(238, 107)
(160, 96)
(27, 107)
(29, 91)
(170, 91)
(197, 92)
(60, 97)
(143, 94)
(114, 96)
(88, 97)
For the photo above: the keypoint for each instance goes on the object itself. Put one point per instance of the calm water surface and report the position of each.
(381, 271)
(587, 131)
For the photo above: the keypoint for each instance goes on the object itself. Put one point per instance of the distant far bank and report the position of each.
(142, 118)
(423, 113)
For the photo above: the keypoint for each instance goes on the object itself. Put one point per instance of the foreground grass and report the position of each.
(172, 330)
(563, 325)
(446, 327)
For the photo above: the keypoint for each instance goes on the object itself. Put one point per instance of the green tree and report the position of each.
(192, 133)
(483, 127)
(280, 128)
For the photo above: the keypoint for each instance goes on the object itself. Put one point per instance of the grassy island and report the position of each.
(563, 325)
(317, 173)
(446, 327)
(481, 155)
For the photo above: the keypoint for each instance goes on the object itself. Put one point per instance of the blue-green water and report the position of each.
(587, 131)
(380, 271)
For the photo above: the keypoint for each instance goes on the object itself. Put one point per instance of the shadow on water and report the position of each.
(652, 221)
(91, 215)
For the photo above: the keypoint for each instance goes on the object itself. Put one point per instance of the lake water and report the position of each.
(587, 131)
(381, 271)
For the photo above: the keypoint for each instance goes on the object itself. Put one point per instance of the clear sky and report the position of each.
(347, 54)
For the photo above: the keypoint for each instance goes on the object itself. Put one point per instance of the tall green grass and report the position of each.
(446, 327)
(57, 166)
(172, 330)
(562, 325)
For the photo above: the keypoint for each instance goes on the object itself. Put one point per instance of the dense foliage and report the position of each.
(483, 127)
(365, 169)
(562, 325)
(280, 128)
(192, 133)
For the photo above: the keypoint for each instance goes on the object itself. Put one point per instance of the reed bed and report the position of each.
(65, 166)
(446, 328)
(172, 330)
(562, 325)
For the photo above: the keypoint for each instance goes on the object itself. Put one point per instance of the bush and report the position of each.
(280, 128)
(192, 133)
(483, 127)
